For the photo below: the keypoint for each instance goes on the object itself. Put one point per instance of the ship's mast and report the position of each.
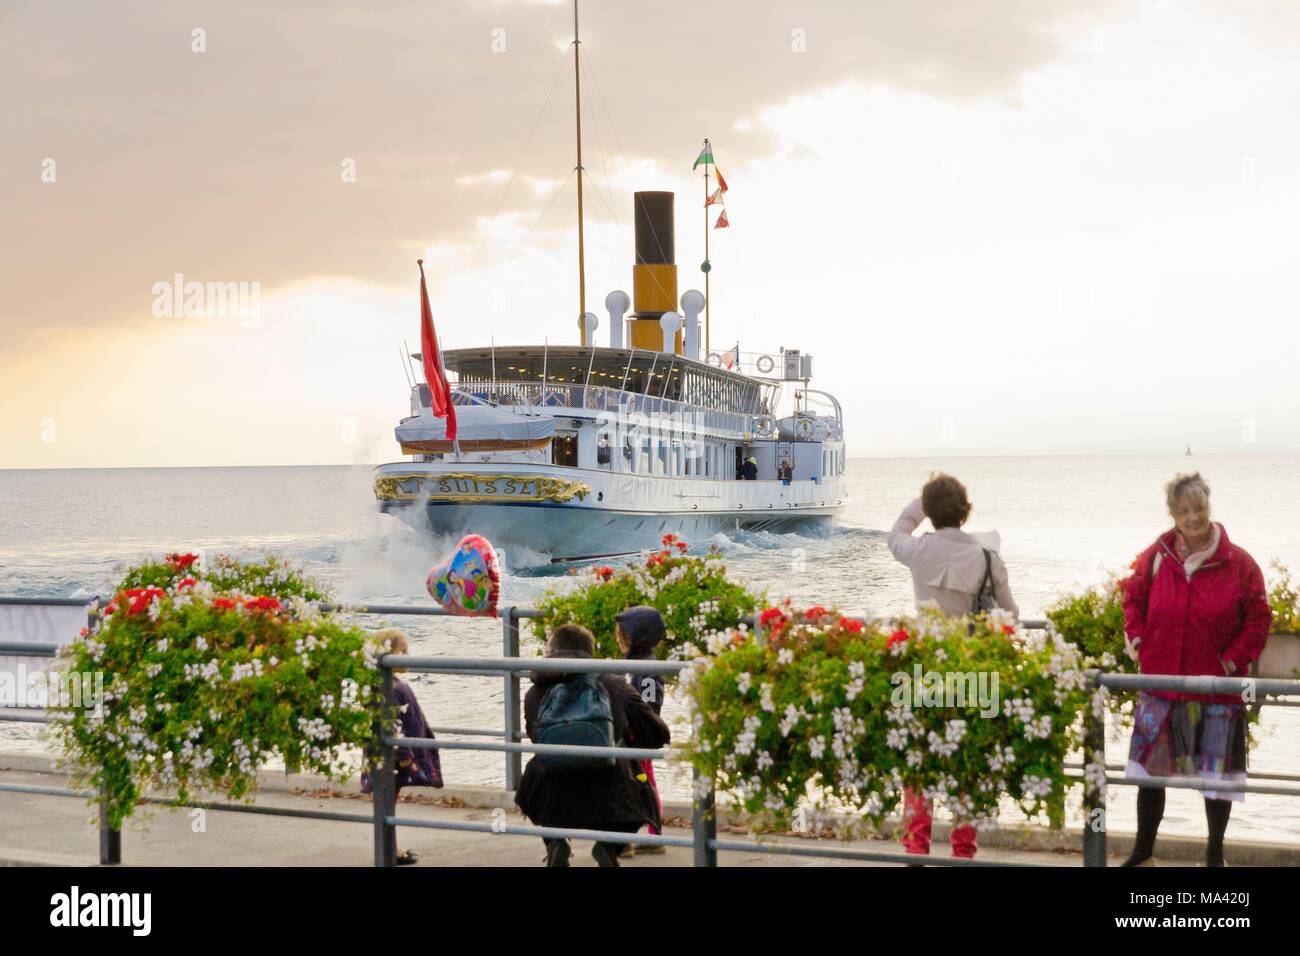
(577, 101)
(708, 267)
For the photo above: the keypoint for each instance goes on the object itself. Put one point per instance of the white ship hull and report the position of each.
(576, 513)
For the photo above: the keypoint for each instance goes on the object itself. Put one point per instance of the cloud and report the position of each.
(228, 164)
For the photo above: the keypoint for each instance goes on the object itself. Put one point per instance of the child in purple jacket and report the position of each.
(415, 767)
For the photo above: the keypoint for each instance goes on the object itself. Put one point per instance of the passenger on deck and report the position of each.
(591, 793)
(749, 470)
(961, 573)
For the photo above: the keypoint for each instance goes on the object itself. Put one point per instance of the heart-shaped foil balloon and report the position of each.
(469, 582)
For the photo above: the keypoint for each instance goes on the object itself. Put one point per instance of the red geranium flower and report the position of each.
(815, 613)
(179, 561)
(899, 635)
(682, 546)
(1008, 629)
(186, 583)
(605, 573)
(262, 604)
(668, 539)
(223, 604)
(772, 618)
(140, 598)
(852, 625)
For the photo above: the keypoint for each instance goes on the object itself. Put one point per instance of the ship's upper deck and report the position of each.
(652, 374)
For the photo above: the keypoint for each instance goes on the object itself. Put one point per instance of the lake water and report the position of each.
(1064, 522)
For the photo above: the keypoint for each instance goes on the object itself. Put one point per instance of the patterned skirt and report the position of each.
(1187, 738)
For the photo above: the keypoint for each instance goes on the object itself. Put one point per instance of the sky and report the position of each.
(1008, 227)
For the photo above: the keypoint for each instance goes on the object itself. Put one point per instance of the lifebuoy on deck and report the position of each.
(764, 364)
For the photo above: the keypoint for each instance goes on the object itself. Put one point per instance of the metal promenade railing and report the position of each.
(704, 840)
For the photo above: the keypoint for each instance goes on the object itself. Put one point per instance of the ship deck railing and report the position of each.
(526, 397)
(704, 841)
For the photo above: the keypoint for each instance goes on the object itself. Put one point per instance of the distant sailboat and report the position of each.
(1188, 453)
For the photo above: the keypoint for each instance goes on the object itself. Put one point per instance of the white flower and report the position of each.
(315, 729)
(792, 716)
(742, 681)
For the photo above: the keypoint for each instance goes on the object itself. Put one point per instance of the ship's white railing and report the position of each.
(824, 400)
(599, 398)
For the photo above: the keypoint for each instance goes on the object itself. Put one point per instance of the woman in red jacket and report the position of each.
(1195, 605)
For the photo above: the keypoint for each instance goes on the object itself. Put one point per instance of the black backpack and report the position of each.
(575, 712)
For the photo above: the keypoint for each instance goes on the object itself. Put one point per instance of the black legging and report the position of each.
(1151, 810)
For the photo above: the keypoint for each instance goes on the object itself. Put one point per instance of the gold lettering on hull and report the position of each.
(467, 488)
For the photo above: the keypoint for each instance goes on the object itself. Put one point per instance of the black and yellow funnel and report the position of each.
(654, 276)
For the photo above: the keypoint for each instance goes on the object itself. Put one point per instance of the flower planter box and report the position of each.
(1281, 657)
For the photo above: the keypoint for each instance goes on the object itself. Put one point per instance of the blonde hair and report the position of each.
(1192, 487)
(390, 636)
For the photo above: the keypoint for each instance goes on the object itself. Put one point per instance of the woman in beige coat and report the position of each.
(951, 569)
(948, 565)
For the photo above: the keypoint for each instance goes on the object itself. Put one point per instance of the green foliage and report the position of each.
(203, 687)
(693, 593)
(1284, 599)
(1093, 621)
(821, 712)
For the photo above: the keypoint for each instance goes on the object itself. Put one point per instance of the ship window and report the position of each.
(647, 462)
(564, 449)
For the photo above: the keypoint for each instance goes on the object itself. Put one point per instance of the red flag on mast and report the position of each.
(431, 356)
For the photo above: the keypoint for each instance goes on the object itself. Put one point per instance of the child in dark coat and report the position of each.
(639, 631)
(415, 768)
(599, 797)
